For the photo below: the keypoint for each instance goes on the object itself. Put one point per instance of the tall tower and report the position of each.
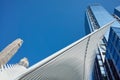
(96, 16)
(7, 53)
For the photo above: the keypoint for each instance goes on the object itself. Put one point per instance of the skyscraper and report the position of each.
(112, 60)
(96, 16)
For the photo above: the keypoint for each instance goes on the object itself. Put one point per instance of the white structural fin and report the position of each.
(10, 72)
(74, 62)
(7, 53)
(24, 62)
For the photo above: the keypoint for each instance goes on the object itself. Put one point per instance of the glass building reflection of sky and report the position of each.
(113, 52)
(103, 17)
(98, 12)
(117, 11)
(118, 8)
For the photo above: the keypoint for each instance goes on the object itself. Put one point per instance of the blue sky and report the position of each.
(46, 26)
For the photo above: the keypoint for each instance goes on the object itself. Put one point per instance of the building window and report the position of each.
(112, 36)
(98, 57)
(115, 57)
(112, 52)
(118, 64)
(100, 62)
(118, 46)
(108, 55)
(115, 39)
(117, 42)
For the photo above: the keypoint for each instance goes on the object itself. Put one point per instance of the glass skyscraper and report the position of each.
(96, 16)
(112, 61)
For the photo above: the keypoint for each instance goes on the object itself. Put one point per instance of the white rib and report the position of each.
(75, 62)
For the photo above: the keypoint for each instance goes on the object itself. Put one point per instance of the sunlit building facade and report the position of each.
(112, 60)
(96, 16)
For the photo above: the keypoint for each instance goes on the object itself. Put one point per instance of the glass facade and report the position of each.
(112, 61)
(94, 21)
(117, 11)
(96, 17)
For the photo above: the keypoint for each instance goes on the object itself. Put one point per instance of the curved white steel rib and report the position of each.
(75, 62)
(10, 72)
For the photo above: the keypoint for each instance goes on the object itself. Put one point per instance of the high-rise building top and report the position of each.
(7, 53)
(96, 17)
(95, 20)
(99, 17)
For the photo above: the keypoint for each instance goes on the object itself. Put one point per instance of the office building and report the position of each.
(96, 16)
(112, 60)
